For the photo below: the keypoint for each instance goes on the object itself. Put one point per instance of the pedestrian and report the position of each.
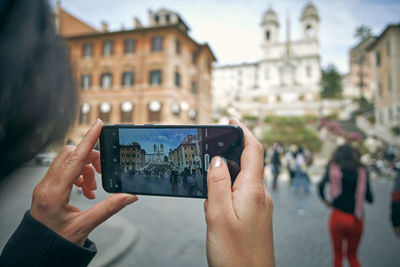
(395, 212)
(37, 106)
(174, 182)
(290, 158)
(301, 177)
(349, 187)
(276, 164)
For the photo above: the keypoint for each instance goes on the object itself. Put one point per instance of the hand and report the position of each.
(397, 231)
(50, 201)
(239, 219)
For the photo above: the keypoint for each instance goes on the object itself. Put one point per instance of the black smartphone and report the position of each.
(166, 160)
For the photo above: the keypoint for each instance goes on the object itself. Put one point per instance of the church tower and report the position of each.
(270, 27)
(309, 22)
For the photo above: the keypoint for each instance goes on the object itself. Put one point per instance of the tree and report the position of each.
(363, 32)
(331, 82)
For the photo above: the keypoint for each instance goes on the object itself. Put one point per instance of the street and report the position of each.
(172, 230)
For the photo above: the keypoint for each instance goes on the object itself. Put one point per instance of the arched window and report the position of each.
(175, 109)
(104, 112)
(84, 113)
(309, 30)
(154, 111)
(126, 111)
(268, 35)
(192, 114)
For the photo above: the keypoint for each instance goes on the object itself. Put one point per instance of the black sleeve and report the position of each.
(33, 244)
(321, 185)
(368, 195)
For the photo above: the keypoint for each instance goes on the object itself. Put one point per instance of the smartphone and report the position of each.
(166, 160)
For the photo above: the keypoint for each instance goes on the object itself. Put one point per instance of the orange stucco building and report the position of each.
(153, 74)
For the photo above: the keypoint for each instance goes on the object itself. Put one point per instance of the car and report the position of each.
(45, 158)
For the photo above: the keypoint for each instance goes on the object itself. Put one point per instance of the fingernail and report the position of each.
(233, 119)
(130, 199)
(97, 122)
(216, 162)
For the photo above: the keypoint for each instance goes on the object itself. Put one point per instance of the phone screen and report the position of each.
(166, 160)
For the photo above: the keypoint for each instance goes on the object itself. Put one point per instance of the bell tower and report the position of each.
(309, 22)
(270, 27)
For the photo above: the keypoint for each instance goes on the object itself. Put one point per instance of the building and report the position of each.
(147, 74)
(187, 155)
(132, 156)
(384, 54)
(158, 156)
(360, 71)
(285, 81)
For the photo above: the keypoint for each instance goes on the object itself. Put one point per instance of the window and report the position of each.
(106, 80)
(266, 73)
(155, 77)
(167, 17)
(267, 35)
(388, 48)
(308, 71)
(309, 31)
(84, 113)
(390, 114)
(378, 58)
(177, 46)
(154, 111)
(87, 50)
(107, 48)
(126, 111)
(85, 81)
(194, 57)
(157, 18)
(104, 112)
(177, 79)
(193, 114)
(175, 109)
(380, 91)
(389, 81)
(127, 79)
(156, 43)
(194, 87)
(129, 46)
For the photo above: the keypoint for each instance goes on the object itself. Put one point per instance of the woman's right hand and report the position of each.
(239, 218)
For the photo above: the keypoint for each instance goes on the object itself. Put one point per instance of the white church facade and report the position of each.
(284, 82)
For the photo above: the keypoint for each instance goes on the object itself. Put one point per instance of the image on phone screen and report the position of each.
(168, 161)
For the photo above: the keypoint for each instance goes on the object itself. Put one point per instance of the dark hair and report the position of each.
(347, 157)
(37, 98)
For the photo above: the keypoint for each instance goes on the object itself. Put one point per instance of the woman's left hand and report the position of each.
(75, 165)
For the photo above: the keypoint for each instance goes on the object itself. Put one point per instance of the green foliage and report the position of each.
(248, 117)
(290, 130)
(331, 82)
(363, 32)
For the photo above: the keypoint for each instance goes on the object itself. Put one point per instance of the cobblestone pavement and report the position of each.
(172, 230)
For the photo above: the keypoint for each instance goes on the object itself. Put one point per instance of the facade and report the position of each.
(132, 156)
(285, 81)
(187, 155)
(154, 74)
(360, 71)
(384, 54)
(158, 155)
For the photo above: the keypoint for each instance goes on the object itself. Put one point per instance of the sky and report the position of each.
(232, 27)
(146, 138)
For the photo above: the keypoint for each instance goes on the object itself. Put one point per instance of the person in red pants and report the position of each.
(349, 187)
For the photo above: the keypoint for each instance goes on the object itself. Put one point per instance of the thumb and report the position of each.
(219, 186)
(103, 210)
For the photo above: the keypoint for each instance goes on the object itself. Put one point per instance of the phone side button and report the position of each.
(206, 162)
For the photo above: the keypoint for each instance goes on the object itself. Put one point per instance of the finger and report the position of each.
(94, 159)
(77, 158)
(87, 192)
(89, 180)
(57, 164)
(79, 182)
(103, 210)
(252, 159)
(219, 188)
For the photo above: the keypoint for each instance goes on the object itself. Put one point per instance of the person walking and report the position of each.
(395, 211)
(276, 164)
(301, 176)
(349, 187)
(290, 158)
